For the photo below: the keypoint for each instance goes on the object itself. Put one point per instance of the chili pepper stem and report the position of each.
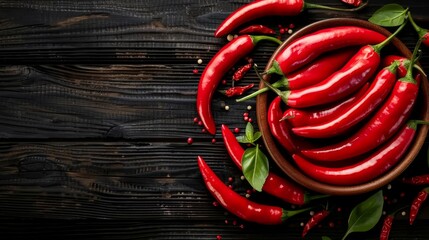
(257, 38)
(409, 76)
(420, 31)
(379, 46)
(290, 213)
(317, 6)
(413, 123)
(275, 68)
(284, 95)
(278, 84)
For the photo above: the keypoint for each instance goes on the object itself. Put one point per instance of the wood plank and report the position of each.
(147, 190)
(129, 32)
(98, 101)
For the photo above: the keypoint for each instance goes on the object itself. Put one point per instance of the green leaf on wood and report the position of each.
(242, 139)
(249, 132)
(255, 167)
(390, 15)
(366, 214)
(256, 136)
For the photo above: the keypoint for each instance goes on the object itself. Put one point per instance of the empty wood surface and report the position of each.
(97, 100)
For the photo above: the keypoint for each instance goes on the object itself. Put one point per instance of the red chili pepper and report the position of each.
(303, 117)
(239, 74)
(274, 184)
(257, 29)
(417, 180)
(281, 129)
(218, 66)
(423, 33)
(355, 3)
(237, 91)
(259, 9)
(312, 73)
(417, 203)
(403, 64)
(360, 109)
(314, 220)
(342, 83)
(306, 48)
(239, 205)
(384, 123)
(387, 226)
(367, 168)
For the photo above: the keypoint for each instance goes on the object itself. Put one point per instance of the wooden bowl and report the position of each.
(283, 160)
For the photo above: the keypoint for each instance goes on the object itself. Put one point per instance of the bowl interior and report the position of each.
(282, 159)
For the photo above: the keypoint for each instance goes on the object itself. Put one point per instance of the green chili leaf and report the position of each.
(242, 139)
(255, 167)
(390, 15)
(249, 132)
(256, 136)
(366, 214)
(326, 238)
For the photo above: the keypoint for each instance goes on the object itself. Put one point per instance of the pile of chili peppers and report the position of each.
(343, 109)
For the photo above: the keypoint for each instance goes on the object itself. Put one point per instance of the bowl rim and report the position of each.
(294, 172)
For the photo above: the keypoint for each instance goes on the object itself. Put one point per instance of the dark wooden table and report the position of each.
(97, 100)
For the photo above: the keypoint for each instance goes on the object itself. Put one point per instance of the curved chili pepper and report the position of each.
(314, 220)
(359, 110)
(423, 33)
(281, 129)
(239, 205)
(417, 203)
(218, 66)
(417, 180)
(303, 117)
(259, 9)
(387, 226)
(257, 29)
(380, 127)
(237, 91)
(312, 73)
(274, 184)
(308, 47)
(342, 83)
(366, 169)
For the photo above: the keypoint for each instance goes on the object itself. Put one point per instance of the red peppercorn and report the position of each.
(190, 141)
(196, 119)
(195, 71)
(236, 130)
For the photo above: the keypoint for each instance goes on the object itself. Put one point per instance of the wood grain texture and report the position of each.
(97, 100)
